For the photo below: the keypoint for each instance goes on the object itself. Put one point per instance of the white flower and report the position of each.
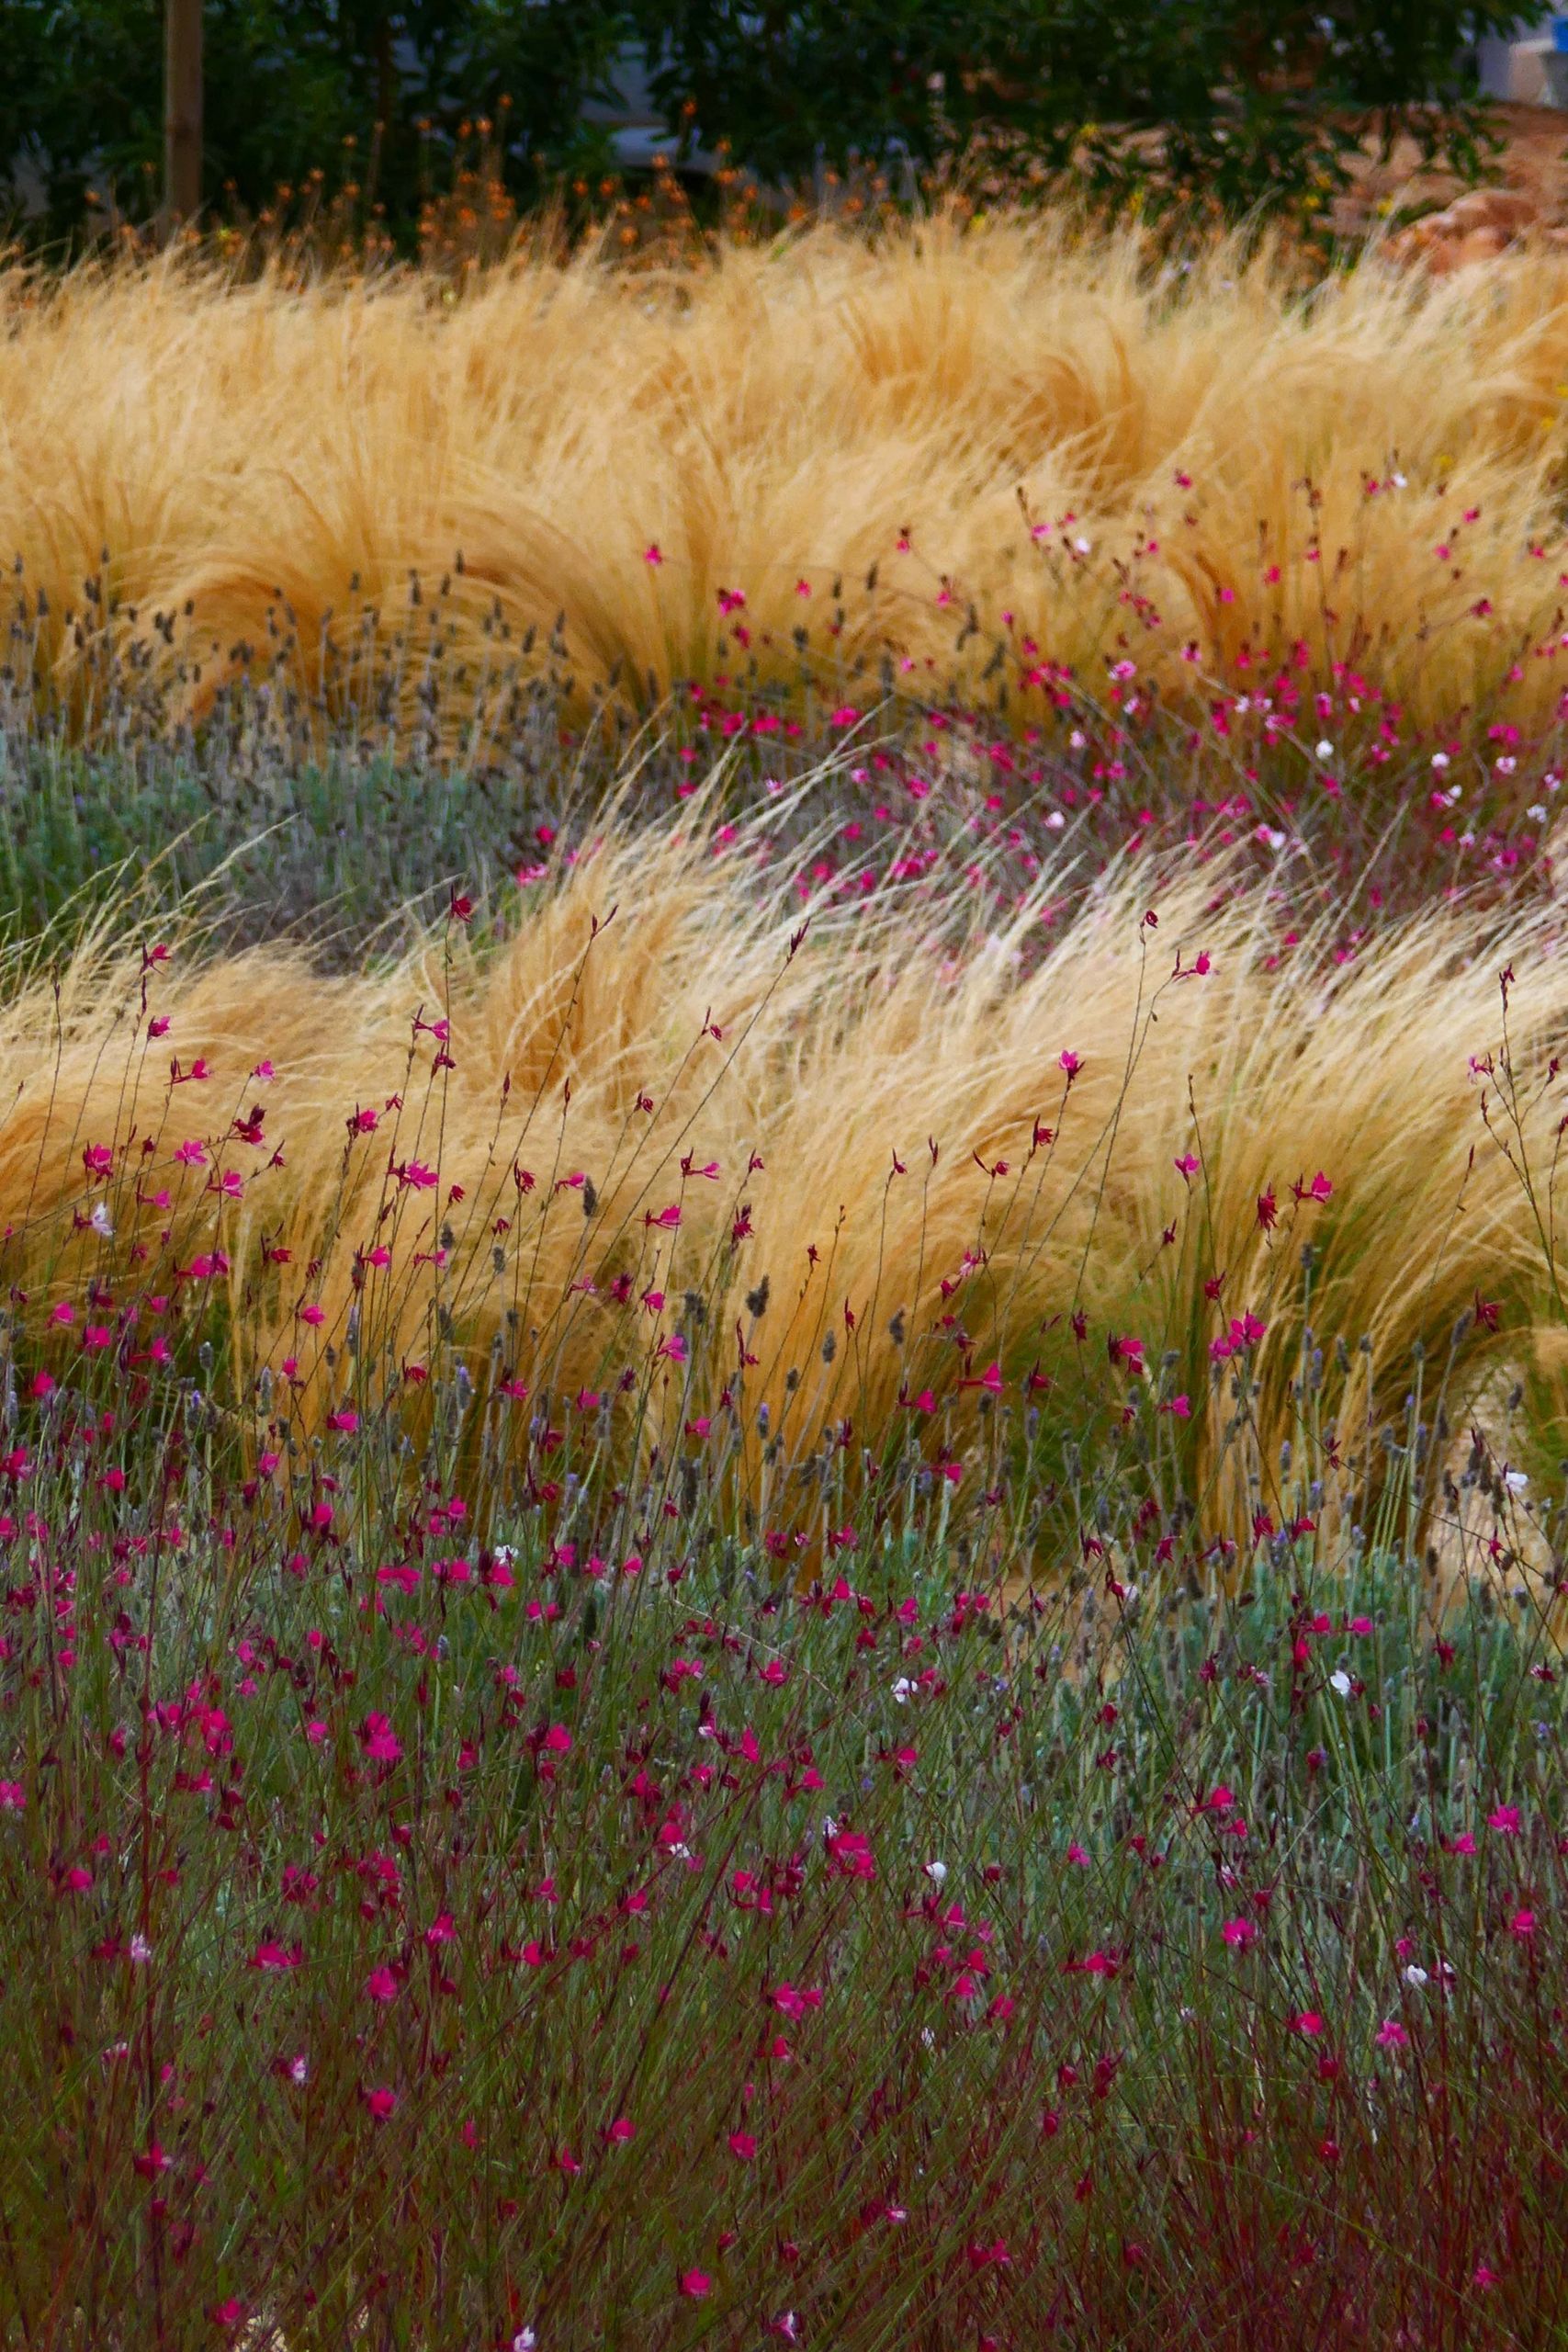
(101, 1221)
(1082, 546)
(1340, 1682)
(298, 2068)
(1077, 739)
(141, 1949)
(1398, 481)
(1325, 749)
(1055, 821)
(1537, 811)
(1515, 1481)
(937, 1873)
(903, 1691)
(1416, 1976)
(524, 2340)
(1439, 759)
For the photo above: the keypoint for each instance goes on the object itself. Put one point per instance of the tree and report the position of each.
(182, 109)
(1243, 104)
(1251, 103)
(290, 85)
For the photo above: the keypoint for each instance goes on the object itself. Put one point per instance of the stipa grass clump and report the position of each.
(1038, 441)
(792, 1194)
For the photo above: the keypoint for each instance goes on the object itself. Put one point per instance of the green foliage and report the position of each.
(1256, 104)
(287, 84)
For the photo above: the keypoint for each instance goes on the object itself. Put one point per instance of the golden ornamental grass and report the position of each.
(1212, 459)
(668, 1080)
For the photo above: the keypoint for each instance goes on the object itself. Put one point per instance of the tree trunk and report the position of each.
(182, 111)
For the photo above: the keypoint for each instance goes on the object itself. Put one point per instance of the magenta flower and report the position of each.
(273, 1959)
(379, 1741)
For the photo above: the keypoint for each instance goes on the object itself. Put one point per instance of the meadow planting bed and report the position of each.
(782, 1366)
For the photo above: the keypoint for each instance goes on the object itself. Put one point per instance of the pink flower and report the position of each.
(1522, 1925)
(653, 553)
(1307, 2022)
(12, 1796)
(742, 2145)
(695, 2283)
(381, 1984)
(1240, 1932)
(191, 1154)
(273, 1959)
(1127, 1350)
(1391, 2035)
(381, 2103)
(379, 1741)
(1505, 1818)
(1070, 1063)
(621, 2130)
(793, 2001)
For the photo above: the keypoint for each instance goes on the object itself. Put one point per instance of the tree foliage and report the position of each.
(1244, 105)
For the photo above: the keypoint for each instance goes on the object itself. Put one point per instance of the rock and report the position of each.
(1448, 253)
(1507, 208)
